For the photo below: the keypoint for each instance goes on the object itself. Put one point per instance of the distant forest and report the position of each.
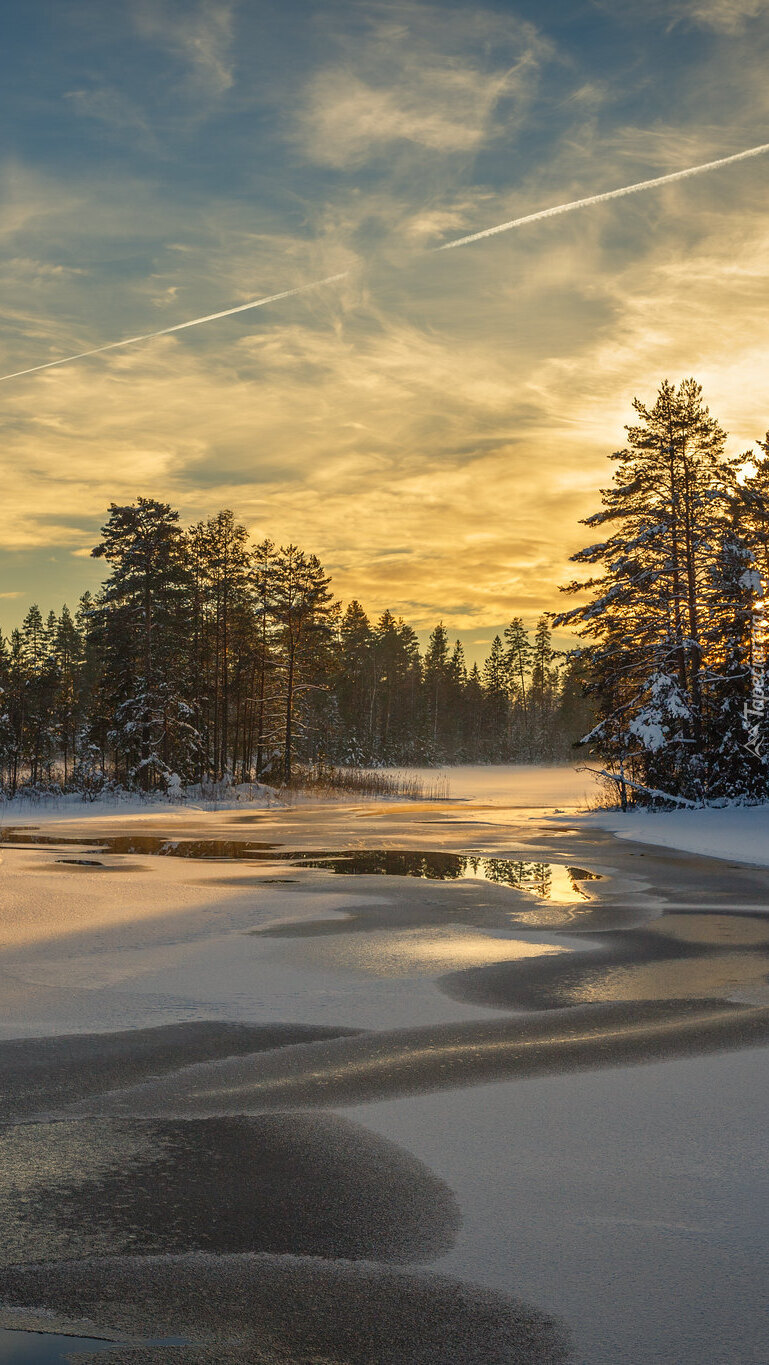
(673, 622)
(205, 659)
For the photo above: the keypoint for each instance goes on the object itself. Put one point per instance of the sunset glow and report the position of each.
(432, 424)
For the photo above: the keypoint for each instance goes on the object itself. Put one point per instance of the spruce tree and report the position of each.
(736, 730)
(304, 614)
(518, 658)
(144, 611)
(356, 684)
(6, 724)
(496, 709)
(68, 655)
(220, 566)
(262, 583)
(436, 681)
(753, 511)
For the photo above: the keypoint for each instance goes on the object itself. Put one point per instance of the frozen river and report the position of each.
(516, 785)
(479, 1084)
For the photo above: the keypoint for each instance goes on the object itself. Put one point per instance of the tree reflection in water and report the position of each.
(548, 881)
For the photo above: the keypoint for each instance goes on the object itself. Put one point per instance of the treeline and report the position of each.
(674, 633)
(207, 659)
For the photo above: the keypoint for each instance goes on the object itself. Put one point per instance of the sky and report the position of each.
(435, 424)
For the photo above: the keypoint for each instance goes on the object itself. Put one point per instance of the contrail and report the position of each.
(603, 198)
(447, 246)
(180, 326)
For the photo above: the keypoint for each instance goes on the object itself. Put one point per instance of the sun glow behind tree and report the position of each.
(671, 653)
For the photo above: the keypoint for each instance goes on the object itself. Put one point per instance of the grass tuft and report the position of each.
(383, 783)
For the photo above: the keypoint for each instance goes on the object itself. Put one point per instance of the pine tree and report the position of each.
(7, 744)
(544, 675)
(356, 687)
(518, 659)
(220, 565)
(304, 612)
(474, 702)
(436, 681)
(645, 622)
(144, 611)
(38, 740)
(68, 655)
(496, 703)
(397, 710)
(262, 581)
(94, 713)
(753, 511)
(735, 745)
(455, 729)
(15, 703)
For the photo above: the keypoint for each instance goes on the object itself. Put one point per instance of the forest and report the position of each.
(206, 660)
(672, 623)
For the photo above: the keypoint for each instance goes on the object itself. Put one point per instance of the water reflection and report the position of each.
(80, 862)
(55, 1348)
(142, 844)
(548, 881)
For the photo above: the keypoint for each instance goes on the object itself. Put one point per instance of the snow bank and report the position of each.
(739, 834)
(72, 806)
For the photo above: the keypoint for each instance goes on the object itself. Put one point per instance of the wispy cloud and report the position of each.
(460, 406)
(423, 76)
(198, 34)
(725, 16)
(28, 197)
(347, 121)
(113, 110)
(427, 400)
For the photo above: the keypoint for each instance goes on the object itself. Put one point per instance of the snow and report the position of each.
(510, 786)
(631, 1201)
(146, 940)
(515, 786)
(25, 810)
(733, 833)
(738, 834)
(650, 732)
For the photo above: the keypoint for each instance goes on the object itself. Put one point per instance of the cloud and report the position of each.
(461, 407)
(33, 271)
(348, 121)
(725, 16)
(302, 393)
(8, 595)
(28, 198)
(458, 405)
(423, 76)
(729, 17)
(113, 110)
(199, 35)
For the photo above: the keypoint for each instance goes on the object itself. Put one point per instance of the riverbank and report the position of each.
(732, 833)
